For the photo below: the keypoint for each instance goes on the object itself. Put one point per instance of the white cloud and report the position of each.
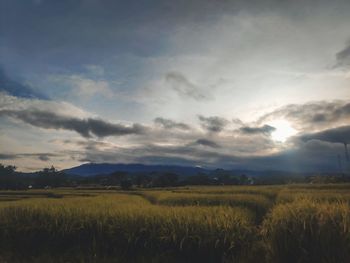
(95, 70)
(85, 87)
(12, 103)
(247, 58)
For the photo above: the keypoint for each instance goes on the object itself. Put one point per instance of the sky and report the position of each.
(259, 85)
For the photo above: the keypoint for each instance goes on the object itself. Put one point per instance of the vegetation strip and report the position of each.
(195, 224)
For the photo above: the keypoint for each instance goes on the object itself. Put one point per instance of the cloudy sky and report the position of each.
(233, 84)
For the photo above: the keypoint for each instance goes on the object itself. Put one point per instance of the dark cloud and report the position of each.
(208, 143)
(85, 127)
(71, 28)
(170, 124)
(312, 156)
(213, 124)
(44, 157)
(93, 145)
(266, 129)
(184, 87)
(312, 115)
(16, 88)
(185, 154)
(335, 135)
(4, 156)
(343, 57)
(237, 122)
(41, 156)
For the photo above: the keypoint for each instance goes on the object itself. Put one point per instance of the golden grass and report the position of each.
(290, 223)
(123, 226)
(308, 231)
(258, 204)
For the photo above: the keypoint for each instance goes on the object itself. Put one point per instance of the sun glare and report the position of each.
(283, 131)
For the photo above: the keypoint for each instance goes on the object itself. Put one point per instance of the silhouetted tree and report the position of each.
(10, 179)
(126, 184)
(7, 170)
(50, 177)
(143, 180)
(199, 179)
(167, 179)
(243, 179)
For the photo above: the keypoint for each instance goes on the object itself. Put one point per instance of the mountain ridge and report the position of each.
(92, 169)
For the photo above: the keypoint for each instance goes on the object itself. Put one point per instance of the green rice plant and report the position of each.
(308, 231)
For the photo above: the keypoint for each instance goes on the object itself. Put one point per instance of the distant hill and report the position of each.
(91, 169)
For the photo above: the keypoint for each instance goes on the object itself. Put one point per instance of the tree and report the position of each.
(142, 180)
(199, 179)
(7, 170)
(167, 179)
(50, 177)
(126, 184)
(243, 179)
(50, 171)
(10, 179)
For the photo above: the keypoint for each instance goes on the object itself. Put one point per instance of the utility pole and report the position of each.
(339, 163)
(346, 152)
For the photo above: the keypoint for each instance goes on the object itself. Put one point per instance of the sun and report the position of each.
(283, 131)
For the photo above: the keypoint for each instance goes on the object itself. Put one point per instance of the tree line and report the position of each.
(53, 178)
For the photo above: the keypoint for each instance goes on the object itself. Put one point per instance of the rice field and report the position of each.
(289, 223)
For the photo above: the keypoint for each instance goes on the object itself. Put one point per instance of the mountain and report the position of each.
(91, 169)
